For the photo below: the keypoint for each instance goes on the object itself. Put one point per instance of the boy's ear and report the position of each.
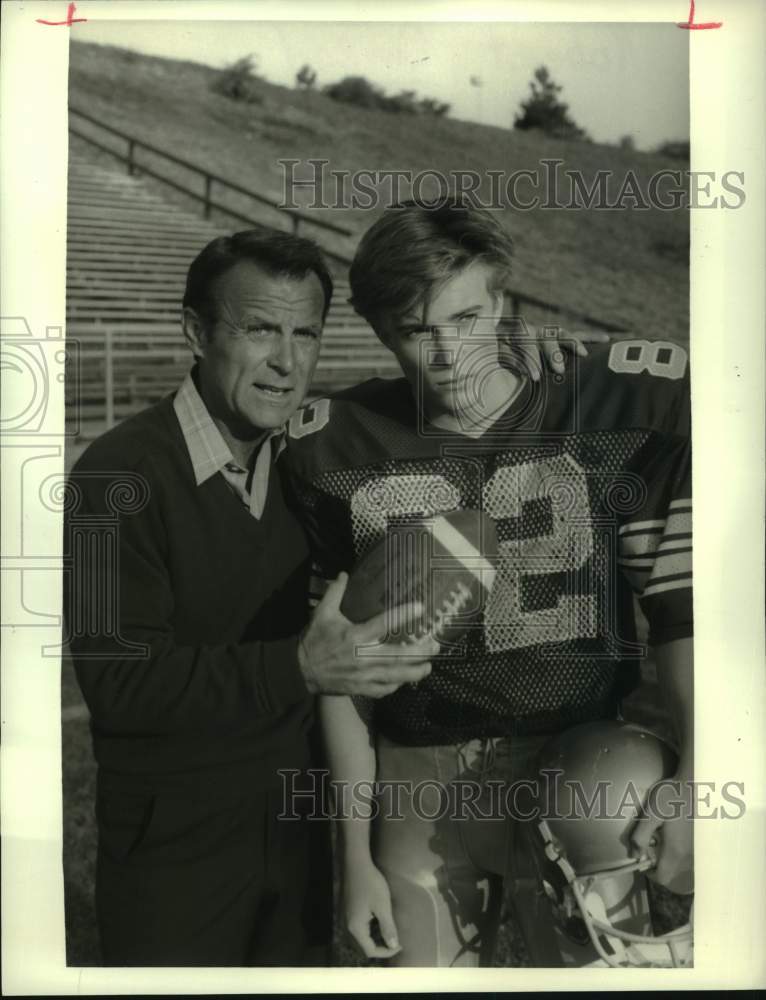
(194, 332)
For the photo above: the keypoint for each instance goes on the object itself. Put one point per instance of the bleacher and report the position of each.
(128, 250)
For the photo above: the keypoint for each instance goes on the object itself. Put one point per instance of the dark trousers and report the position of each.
(193, 873)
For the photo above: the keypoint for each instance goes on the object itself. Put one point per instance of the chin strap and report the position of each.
(672, 950)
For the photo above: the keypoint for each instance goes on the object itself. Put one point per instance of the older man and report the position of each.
(200, 687)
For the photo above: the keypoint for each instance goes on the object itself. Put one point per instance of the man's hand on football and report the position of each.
(339, 657)
(547, 348)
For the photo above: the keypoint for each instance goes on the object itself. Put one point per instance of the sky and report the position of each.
(618, 79)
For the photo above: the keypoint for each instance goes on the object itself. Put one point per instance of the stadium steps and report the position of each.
(128, 251)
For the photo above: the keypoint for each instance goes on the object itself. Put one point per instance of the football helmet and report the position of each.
(593, 785)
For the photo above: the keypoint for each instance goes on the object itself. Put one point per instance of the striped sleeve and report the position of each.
(655, 545)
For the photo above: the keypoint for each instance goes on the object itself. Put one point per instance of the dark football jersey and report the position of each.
(588, 479)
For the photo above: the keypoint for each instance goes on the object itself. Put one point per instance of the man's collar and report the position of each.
(208, 450)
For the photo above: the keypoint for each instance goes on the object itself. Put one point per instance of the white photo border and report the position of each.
(728, 264)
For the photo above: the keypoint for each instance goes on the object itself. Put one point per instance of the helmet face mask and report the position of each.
(603, 773)
(567, 913)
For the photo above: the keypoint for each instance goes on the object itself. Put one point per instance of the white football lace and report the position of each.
(451, 607)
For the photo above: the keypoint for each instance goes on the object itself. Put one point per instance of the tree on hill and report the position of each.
(358, 90)
(239, 81)
(306, 77)
(678, 150)
(355, 90)
(431, 107)
(405, 102)
(543, 109)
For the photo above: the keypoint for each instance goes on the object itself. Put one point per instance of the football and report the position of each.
(447, 562)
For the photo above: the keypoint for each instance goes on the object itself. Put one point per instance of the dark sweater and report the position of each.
(215, 596)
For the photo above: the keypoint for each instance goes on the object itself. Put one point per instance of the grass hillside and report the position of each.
(626, 266)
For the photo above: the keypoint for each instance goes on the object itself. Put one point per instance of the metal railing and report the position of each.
(104, 351)
(118, 368)
(205, 197)
(518, 298)
(127, 367)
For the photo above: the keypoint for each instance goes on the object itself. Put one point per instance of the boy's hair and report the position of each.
(414, 247)
(277, 253)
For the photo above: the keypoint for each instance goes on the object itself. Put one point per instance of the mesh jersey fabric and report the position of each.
(588, 479)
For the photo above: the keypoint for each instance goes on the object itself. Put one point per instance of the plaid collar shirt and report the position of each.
(210, 454)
